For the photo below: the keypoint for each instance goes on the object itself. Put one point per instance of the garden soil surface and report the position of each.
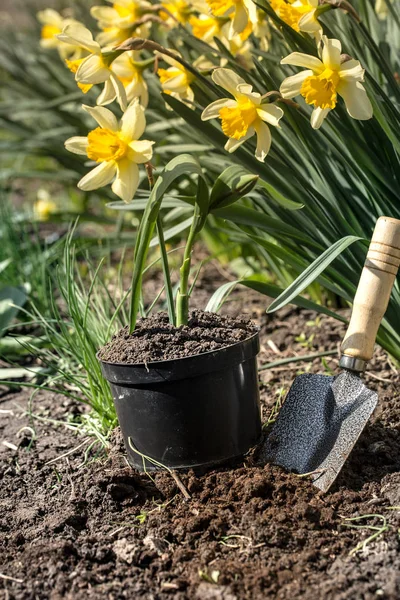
(77, 522)
(155, 339)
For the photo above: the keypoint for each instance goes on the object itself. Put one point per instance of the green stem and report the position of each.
(182, 299)
(167, 275)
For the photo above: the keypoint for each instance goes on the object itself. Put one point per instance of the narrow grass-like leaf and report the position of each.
(312, 272)
(11, 299)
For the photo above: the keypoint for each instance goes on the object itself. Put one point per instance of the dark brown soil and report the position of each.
(73, 527)
(155, 339)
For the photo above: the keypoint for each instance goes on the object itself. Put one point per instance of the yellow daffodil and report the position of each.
(118, 20)
(241, 50)
(324, 79)
(239, 11)
(262, 30)
(129, 71)
(243, 116)
(181, 10)
(208, 27)
(53, 24)
(176, 80)
(44, 207)
(298, 14)
(381, 9)
(96, 67)
(116, 147)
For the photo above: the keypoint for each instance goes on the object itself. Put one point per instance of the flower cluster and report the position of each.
(113, 60)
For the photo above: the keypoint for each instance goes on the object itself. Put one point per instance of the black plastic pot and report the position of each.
(199, 410)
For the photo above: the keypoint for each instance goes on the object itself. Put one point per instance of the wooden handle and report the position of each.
(374, 289)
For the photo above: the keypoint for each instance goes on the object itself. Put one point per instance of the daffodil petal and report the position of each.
(107, 94)
(263, 140)
(331, 51)
(98, 177)
(48, 16)
(77, 145)
(144, 96)
(126, 181)
(124, 3)
(92, 70)
(317, 117)
(103, 13)
(137, 89)
(251, 9)
(308, 23)
(120, 92)
(104, 117)
(227, 79)
(171, 61)
(232, 144)
(141, 151)
(176, 84)
(351, 69)
(246, 90)
(212, 110)
(270, 113)
(291, 86)
(239, 21)
(357, 102)
(78, 35)
(189, 95)
(133, 121)
(107, 38)
(298, 59)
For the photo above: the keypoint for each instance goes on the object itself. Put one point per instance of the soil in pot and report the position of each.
(155, 339)
(187, 396)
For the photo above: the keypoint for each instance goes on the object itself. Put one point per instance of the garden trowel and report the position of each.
(323, 416)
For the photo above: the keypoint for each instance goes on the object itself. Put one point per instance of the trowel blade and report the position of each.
(318, 425)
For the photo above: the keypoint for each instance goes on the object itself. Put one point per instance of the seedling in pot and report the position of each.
(221, 383)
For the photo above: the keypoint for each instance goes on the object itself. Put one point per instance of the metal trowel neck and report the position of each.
(355, 365)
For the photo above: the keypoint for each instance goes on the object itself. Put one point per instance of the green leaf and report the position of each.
(234, 183)
(4, 264)
(256, 218)
(21, 345)
(312, 272)
(11, 300)
(20, 372)
(178, 166)
(220, 295)
(168, 202)
(280, 198)
(173, 231)
(269, 290)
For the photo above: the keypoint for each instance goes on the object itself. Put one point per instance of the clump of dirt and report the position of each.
(155, 339)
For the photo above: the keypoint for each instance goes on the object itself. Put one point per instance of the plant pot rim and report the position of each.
(185, 367)
(158, 363)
